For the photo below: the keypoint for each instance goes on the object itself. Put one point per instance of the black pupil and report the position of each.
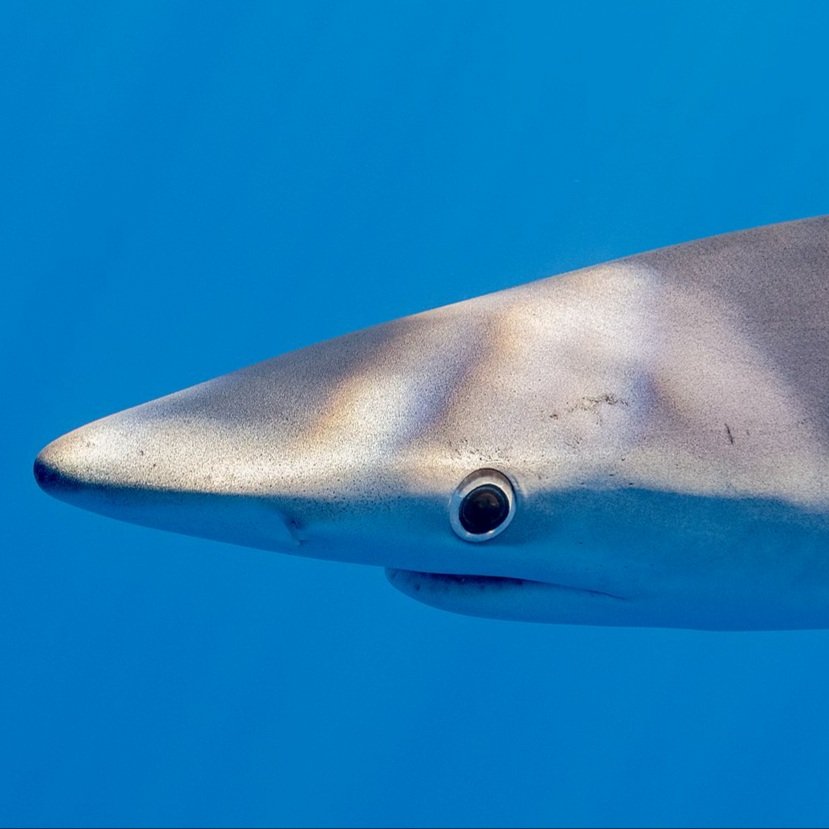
(484, 509)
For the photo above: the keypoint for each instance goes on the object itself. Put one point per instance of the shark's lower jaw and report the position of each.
(510, 598)
(535, 601)
(471, 582)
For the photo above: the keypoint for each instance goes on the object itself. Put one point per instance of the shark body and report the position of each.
(644, 442)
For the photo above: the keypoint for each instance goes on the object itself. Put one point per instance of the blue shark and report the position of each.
(640, 443)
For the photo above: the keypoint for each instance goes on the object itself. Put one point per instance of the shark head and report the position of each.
(603, 448)
(369, 448)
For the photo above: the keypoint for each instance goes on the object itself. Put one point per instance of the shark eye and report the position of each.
(482, 505)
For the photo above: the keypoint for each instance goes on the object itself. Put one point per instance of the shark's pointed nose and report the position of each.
(55, 473)
(47, 475)
(79, 466)
(134, 470)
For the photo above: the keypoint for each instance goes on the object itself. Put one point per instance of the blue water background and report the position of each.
(191, 187)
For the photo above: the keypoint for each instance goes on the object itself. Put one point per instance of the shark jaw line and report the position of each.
(470, 582)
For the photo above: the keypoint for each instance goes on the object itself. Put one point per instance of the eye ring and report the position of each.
(482, 506)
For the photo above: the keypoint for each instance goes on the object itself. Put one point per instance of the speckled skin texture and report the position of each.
(664, 419)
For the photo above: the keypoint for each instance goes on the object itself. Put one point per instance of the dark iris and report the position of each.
(484, 509)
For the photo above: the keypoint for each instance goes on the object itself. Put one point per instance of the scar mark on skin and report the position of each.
(592, 404)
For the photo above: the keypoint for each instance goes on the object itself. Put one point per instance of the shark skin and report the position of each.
(661, 421)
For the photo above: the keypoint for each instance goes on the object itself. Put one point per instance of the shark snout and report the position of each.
(48, 474)
(139, 472)
(89, 462)
(62, 469)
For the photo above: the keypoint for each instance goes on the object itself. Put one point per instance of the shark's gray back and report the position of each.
(776, 279)
(728, 344)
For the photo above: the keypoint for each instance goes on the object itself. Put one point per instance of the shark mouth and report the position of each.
(503, 597)
(412, 583)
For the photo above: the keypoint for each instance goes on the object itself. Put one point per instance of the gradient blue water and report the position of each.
(188, 188)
